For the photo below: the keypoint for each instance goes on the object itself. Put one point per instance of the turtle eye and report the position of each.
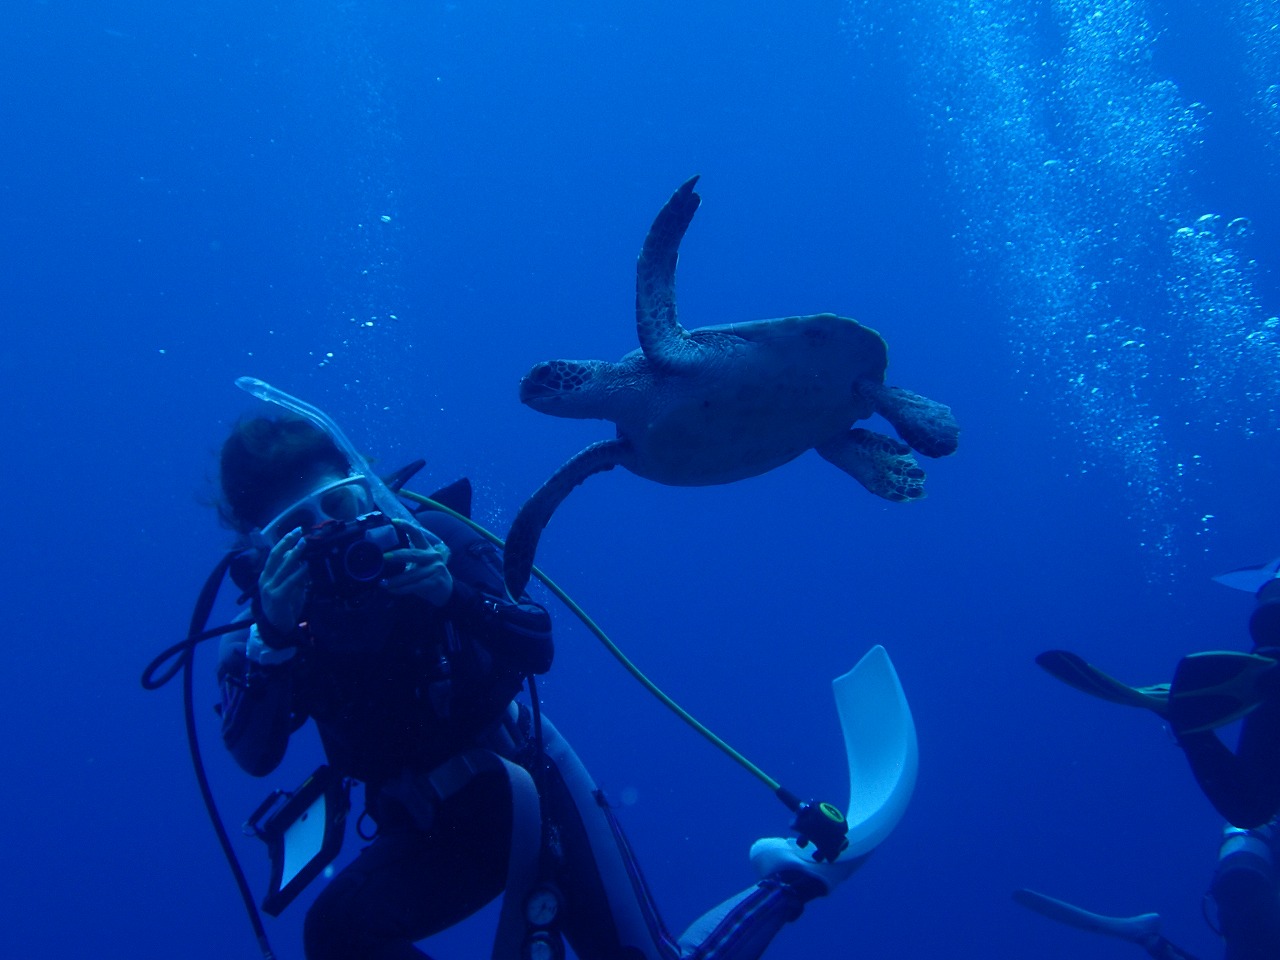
(549, 377)
(539, 384)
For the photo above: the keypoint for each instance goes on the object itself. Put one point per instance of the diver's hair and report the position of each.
(265, 456)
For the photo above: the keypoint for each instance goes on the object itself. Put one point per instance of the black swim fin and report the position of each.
(1075, 672)
(1214, 688)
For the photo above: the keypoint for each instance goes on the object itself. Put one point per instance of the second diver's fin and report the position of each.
(1250, 579)
(883, 756)
(1135, 929)
(1214, 688)
(1074, 671)
(1144, 929)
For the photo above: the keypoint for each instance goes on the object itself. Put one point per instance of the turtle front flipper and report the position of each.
(881, 464)
(928, 427)
(664, 342)
(522, 538)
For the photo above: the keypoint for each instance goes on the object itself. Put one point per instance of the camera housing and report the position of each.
(346, 556)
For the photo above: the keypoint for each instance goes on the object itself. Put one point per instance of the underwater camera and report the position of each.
(346, 556)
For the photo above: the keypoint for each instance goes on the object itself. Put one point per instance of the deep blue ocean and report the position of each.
(1062, 216)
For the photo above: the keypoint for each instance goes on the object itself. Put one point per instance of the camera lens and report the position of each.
(363, 561)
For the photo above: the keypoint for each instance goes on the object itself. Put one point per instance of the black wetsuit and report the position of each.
(397, 688)
(389, 712)
(1244, 785)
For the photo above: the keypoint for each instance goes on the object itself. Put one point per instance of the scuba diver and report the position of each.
(395, 635)
(1210, 690)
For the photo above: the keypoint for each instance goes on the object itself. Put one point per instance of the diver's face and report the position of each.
(327, 495)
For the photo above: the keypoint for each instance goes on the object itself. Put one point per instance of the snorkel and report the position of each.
(386, 501)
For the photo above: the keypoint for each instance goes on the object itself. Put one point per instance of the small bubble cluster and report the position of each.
(1259, 24)
(1229, 344)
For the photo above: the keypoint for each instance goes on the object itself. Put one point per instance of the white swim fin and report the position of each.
(883, 757)
(1137, 929)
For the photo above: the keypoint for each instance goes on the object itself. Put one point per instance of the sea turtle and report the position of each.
(722, 403)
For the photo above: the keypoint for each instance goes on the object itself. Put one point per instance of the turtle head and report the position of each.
(567, 388)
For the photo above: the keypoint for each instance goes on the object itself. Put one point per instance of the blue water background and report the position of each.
(191, 193)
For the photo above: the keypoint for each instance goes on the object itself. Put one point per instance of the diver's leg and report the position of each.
(1243, 786)
(609, 911)
(410, 884)
(744, 925)
(1258, 753)
(370, 909)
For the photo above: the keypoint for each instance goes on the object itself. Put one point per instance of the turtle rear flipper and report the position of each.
(926, 425)
(881, 464)
(526, 529)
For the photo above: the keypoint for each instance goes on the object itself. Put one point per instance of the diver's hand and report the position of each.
(263, 653)
(425, 574)
(282, 586)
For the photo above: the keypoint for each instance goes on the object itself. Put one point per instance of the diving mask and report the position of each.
(341, 500)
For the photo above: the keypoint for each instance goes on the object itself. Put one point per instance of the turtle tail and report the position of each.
(526, 529)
